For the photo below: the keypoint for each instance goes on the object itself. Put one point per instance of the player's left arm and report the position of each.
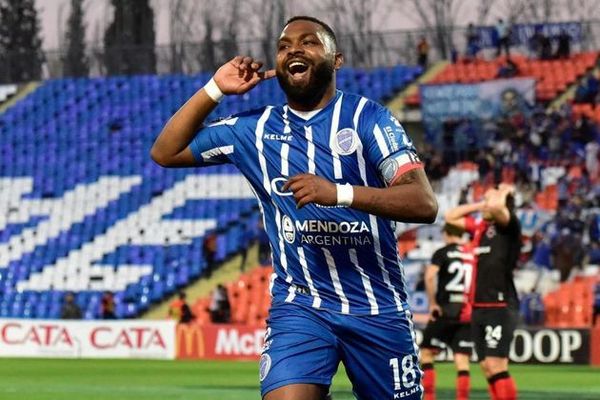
(431, 276)
(407, 197)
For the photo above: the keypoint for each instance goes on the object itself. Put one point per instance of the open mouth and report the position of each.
(297, 69)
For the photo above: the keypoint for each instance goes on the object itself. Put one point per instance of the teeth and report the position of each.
(296, 63)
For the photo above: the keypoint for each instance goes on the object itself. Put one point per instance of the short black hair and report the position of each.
(453, 230)
(326, 27)
(510, 202)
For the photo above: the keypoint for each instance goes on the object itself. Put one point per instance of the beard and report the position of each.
(312, 92)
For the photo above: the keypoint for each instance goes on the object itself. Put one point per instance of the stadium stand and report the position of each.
(572, 304)
(545, 155)
(248, 296)
(553, 76)
(6, 91)
(83, 209)
(587, 96)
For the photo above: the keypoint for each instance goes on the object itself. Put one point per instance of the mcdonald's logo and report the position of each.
(190, 341)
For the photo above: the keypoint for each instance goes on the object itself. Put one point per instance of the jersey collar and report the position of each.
(293, 114)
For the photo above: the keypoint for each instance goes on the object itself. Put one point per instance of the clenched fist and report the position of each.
(309, 188)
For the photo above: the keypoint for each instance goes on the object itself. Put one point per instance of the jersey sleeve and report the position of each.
(438, 257)
(389, 149)
(471, 224)
(215, 143)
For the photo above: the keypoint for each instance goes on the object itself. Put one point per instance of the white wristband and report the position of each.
(213, 91)
(345, 194)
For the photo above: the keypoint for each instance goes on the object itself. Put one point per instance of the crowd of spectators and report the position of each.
(588, 89)
(540, 45)
(525, 147)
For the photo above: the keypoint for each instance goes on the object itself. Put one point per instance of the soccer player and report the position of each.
(331, 171)
(447, 282)
(497, 241)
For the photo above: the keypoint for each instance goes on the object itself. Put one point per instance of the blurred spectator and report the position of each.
(534, 43)
(472, 41)
(503, 37)
(264, 249)
(175, 308)
(180, 310)
(563, 49)
(420, 284)
(209, 248)
(593, 256)
(594, 227)
(540, 45)
(592, 152)
(435, 170)
(219, 308)
(484, 161)
(508, 70)
(588, 89)
(70, 309)
(423, 52)
(567, 253)
(545, 47)
(453, 55)
(542, 252)
(107, 306)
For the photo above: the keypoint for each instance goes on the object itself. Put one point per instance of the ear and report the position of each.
(338, 61)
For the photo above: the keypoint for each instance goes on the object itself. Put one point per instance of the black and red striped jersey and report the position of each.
(454, 280)
(497, 250)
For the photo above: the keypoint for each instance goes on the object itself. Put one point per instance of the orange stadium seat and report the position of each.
(571, 305)
(248, 296)
(553, 76)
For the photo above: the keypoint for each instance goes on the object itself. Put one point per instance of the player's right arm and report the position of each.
(457, 216)
(431, 273)
(172, 147)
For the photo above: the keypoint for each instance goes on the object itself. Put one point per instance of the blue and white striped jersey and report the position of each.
(335, 258)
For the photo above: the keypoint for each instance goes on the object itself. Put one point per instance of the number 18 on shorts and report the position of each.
(304, 345)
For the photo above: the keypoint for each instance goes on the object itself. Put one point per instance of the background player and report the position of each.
(447, 281)
(330, 170)
(497, 241)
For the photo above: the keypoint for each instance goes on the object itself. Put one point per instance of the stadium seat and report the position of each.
(553, 77)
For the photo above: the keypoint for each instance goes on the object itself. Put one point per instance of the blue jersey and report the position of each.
(334, 258)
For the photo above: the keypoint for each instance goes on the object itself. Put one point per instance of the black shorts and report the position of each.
(493, 330)
(445, 332)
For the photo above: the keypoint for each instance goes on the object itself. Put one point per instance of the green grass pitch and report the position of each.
(50, 379)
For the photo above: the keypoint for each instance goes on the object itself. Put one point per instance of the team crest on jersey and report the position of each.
(345, 141)
(264, 366)
(491, 232)
(287, 229)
